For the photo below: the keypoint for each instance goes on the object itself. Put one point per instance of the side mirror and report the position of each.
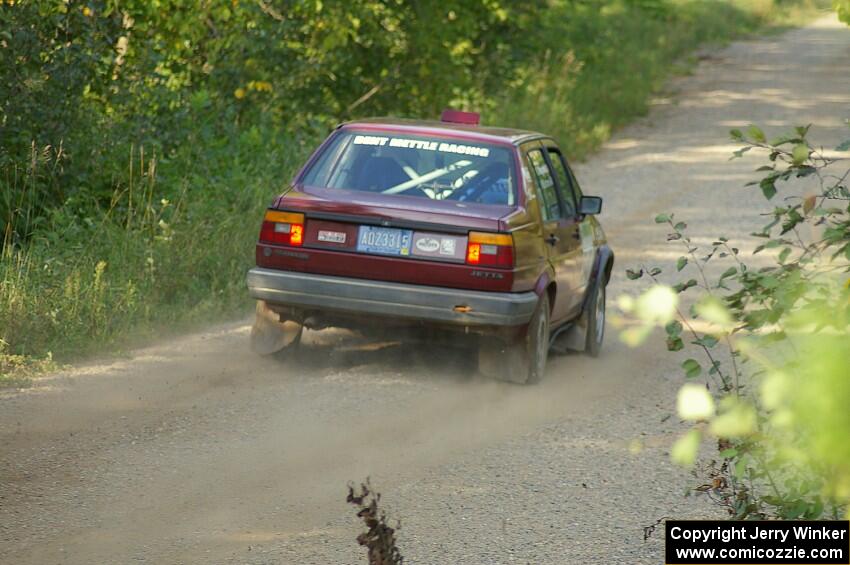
(590, 205)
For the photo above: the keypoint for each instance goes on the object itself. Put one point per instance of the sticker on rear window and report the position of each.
(370, 140)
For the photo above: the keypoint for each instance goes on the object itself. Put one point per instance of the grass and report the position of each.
(170, 250)
(17, 371)
(143, 265)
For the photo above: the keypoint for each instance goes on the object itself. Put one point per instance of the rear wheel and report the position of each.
(269, 335)
(596, 321)
(523, 362)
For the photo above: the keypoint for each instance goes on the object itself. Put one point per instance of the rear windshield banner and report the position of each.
(426, 145)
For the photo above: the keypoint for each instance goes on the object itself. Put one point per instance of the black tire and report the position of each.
(595, 321)
(523, 362)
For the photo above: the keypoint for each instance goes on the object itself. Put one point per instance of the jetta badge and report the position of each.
(487, 275)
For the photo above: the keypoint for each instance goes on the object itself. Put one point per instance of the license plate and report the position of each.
(384, 241)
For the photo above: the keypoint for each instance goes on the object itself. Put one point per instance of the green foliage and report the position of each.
(692, 368)
(51, 55)
(782, 420)
(17, 370)
(91, 274)
(842, 7)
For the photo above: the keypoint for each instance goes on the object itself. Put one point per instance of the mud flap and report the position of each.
(573, 338)
(270, 335)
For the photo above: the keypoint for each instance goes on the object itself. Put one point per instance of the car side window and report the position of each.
(565, 184)
(551, 207)
(576, 187)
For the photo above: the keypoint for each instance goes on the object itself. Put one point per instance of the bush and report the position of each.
(776, 401)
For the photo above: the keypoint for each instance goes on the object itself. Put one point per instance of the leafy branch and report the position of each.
(786, 321)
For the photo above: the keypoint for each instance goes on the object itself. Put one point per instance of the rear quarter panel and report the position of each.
(530, 264)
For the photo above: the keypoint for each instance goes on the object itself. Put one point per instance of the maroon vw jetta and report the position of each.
(446, 230)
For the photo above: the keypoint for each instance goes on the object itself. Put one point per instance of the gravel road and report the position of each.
(196, 451)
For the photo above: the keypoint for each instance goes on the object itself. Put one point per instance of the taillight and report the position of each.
(490, 249)
(286, 228)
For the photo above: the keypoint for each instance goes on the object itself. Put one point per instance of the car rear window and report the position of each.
(410, 165)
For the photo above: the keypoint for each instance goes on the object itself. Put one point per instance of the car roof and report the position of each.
(483, 133)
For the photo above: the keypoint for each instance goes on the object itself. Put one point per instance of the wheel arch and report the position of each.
(604, 264)
(602, 268)
(545, 284)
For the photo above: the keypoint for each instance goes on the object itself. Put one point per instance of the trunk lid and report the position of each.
(396, 210)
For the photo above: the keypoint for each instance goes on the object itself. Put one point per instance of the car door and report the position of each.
(583, 233)
(587, 232)
(559, 232)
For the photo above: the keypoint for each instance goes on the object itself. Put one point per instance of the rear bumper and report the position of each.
(396, 300)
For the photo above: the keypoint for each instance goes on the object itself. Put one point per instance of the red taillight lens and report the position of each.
(285, 228)
(490, 249)
(296, 234)
(473, 253)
